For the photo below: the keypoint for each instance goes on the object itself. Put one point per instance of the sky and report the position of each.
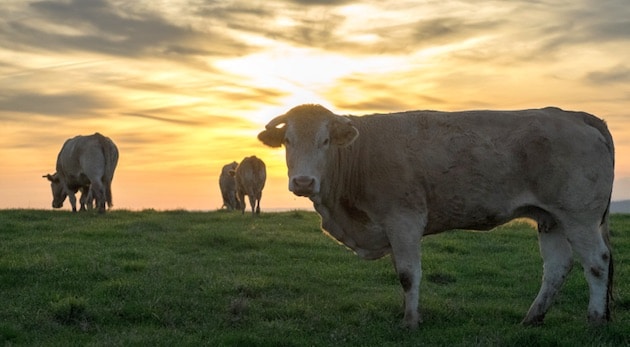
(184, 86)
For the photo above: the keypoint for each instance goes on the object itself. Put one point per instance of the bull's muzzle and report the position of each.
(303, 185)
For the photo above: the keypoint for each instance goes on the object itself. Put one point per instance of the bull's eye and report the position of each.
(325, 143)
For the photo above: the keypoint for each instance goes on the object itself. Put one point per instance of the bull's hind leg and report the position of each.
(596, 259)
(252, 202)
(98, 192)
(557, 262)
(241, 199)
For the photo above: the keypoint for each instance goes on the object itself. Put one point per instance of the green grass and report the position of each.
(222, 279)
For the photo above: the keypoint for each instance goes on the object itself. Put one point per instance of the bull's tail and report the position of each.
(110, 152)
(605, 230)
(113, 161)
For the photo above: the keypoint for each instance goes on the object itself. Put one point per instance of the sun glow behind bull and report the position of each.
(184, 87)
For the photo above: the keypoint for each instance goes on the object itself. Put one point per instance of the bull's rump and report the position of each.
(83, 159)
(79, 157)
(476, 169)
(251, 176)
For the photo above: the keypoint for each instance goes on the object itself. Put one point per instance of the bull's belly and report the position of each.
(474, 217)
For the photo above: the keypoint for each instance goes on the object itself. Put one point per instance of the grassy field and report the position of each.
(221, 279)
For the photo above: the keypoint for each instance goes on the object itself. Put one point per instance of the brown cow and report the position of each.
(227, 184)
(250, 180)
(85, 163)
(382, 182)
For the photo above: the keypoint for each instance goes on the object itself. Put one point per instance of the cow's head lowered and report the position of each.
(58, 190)
(308, 133)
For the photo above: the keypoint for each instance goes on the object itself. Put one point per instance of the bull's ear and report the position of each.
(342, 132)
(273, 136)
(50, 177)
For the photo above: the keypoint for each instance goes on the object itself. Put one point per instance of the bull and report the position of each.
(382, 182)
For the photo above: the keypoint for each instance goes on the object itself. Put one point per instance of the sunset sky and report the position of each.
(183, 87)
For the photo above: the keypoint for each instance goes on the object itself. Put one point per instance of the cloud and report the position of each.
(295, 25)
(101, 27)
(616, 74)
(575, 24)
(424, 32)
(164, 119)
(607, 21)
(320, 2)
(74, 105)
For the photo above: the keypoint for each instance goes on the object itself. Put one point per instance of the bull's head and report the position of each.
(58, 191)
(308, 133)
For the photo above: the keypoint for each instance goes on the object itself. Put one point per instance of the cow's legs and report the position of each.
(83, 199)
(404, 234)
(241, 199)
(252, 202)
(258, 203)
(558, 259)
(98, 192)
(73, 201)
(596, 260)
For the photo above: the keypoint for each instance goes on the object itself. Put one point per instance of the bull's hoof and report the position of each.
(535, 321)
(597, 319)
(411, 321)
(409, 325)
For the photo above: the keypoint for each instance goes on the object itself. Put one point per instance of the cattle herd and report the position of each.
(237, 180)
(86, 164)
(382, 182)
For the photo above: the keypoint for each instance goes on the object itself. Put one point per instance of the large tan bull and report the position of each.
(382, 182)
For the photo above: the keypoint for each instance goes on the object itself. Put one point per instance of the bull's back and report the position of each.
(475, 169)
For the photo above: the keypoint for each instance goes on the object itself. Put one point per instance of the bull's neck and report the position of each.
(341, 181)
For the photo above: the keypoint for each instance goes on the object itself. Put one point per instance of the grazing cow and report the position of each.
(227, 183)
(381, 182)
(250, 180)
(85, 163)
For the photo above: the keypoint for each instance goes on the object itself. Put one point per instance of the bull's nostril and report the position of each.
(303, 182)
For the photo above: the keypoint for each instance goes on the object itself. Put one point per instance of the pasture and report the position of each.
(223, 279)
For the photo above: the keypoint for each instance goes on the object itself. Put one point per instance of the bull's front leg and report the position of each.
(404, 233)
(73, 201)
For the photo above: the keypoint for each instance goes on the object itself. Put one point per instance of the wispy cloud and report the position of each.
(616, 74)
(99, 26)
(73, 105)
(164, 119)
(186, 85)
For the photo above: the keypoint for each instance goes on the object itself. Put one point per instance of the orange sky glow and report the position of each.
(184, 87)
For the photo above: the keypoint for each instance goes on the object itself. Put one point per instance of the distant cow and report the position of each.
(381, 182)
(250, 180)
(227, 184)
(85, 163)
